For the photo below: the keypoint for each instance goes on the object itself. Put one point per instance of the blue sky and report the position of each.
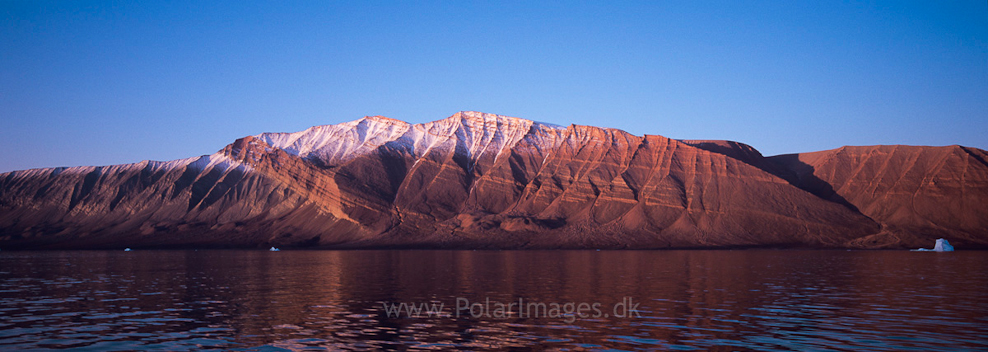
(97, 83)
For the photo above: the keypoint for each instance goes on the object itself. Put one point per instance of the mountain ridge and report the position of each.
(476, 180)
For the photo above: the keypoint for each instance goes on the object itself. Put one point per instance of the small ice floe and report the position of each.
(273, 249)
(126, 249)
(941, 246)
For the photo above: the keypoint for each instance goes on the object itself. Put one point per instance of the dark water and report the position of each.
(294, 300)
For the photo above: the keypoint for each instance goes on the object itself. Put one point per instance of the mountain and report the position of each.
(477, 180)
(916, 193)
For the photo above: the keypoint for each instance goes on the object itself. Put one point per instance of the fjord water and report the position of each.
(702, 300)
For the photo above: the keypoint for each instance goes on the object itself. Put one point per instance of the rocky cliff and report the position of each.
(477, 180)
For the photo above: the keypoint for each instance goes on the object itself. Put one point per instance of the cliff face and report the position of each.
(478, 180)
(915, 193)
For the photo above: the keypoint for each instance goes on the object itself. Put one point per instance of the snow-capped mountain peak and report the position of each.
(336, 143)
(471, 133)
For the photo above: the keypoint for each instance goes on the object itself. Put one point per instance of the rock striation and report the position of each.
(917, 194)
(477, 180)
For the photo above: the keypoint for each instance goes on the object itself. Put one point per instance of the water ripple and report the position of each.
(689, 300)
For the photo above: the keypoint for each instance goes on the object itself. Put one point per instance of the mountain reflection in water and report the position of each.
(705, 300)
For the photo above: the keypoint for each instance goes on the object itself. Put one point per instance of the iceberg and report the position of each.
(273, 249)
(941, 246)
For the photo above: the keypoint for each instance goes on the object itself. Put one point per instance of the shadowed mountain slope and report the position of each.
(916, 193)
(477, 180)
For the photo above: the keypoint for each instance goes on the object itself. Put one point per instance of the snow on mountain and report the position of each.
(473, 134)
(476, 180)
(334, 144)
(200, 163)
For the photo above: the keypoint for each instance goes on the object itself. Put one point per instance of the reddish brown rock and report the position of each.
(918, 194)
(478, 180)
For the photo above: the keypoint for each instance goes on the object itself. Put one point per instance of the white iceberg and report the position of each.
(941, 246)
(276, 249)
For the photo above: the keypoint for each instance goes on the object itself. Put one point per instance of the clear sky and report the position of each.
(109, 82)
